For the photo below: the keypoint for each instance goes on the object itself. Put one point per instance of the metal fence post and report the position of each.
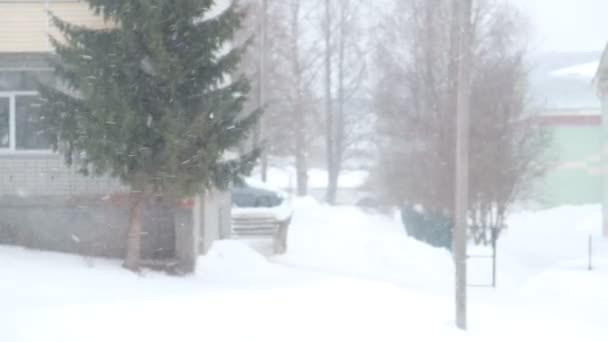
(494, 238)
(590, 252)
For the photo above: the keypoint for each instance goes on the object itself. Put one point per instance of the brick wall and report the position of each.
(46, 205)
(46, 174)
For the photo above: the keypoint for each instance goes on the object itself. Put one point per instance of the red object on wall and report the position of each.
(568, 120)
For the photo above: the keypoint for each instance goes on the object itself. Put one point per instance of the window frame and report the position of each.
(12, 124)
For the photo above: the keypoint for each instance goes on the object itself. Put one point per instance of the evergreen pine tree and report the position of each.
(151, 99)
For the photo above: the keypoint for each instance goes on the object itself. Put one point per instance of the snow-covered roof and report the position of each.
(585, 71)
(571, 112)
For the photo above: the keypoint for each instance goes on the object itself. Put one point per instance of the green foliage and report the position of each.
(431, 227)
(153, 98)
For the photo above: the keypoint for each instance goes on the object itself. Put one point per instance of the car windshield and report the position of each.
(250, 197)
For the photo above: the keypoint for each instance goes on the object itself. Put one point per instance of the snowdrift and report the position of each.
(350, 241)
(541, 239)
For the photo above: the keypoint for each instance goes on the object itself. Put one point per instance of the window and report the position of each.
(20, 128)
(5, 109)
(27, 124)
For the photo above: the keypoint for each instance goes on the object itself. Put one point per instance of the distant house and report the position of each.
(600, 82)
(578, 153)
(46, 205)
(569, 111)
(574, 176)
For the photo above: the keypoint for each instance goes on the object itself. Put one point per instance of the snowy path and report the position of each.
(355, 277)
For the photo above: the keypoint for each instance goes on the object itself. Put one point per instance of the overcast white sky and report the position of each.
(568, 25)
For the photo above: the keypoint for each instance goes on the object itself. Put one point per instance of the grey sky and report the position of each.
(567, 25)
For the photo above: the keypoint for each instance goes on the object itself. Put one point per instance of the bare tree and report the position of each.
(344, 66)
(302, 70)
(291, 69)
(509, 145)
(415, 102)
(329, 119)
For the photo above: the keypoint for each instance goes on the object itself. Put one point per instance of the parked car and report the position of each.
(261, 212)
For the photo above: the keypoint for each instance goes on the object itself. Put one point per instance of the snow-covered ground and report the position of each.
(349, 275)
(285, 178)
(349, 241)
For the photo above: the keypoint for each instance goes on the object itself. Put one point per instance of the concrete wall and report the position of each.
(49, 206)
(187, 233)
(46, 205)
(214, 217)
(44, 174)
(85, 225)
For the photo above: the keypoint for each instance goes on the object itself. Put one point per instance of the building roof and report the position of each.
(601, 74)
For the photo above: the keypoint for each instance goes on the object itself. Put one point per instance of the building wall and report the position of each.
(85, 225)
(574, 177)
(47, 205)
(45, 174)
(26, 25)
(215, 218)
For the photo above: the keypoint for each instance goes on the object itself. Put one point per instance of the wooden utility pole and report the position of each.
(462, 159)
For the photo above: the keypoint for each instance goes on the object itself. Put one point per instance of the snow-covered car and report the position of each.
(261, 212)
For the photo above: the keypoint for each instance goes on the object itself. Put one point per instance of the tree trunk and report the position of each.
(264, 168)
(338, 144)
(329, 120)
(300, 120)
(332, 185)
(133, 257)
(301, 166)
